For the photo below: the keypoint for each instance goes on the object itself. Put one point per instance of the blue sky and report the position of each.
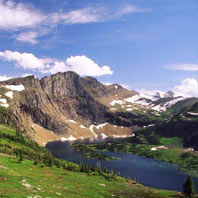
(143, 44)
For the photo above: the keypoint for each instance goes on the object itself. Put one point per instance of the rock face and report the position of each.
(60, 101)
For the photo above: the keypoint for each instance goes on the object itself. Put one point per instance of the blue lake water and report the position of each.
(147, 171)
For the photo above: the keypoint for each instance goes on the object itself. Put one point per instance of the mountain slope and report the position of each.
(183, 125)
(28, 170)
(65, 106)
(60, 103)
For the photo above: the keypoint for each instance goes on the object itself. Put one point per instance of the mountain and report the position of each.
(182, 123)
(63, 106)
(149, 103)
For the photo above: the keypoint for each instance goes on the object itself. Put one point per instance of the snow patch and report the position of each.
(150, 125)
(4, 103)
(82, 126)
(103, 135)
(70, 138)
(159, 108)
(158, 148)
(9, 94)
(137, 99)
(91, 129)
(123, 136)
(172, 102)
(72, 121)
(3, 100)
(101, 125)
(15, 87)
(191, 113)
(120, 102)
(116, 86)
(163, 107)
(189, 149)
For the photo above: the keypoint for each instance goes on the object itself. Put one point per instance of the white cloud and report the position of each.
(25, 17)
(18, 15)
(92, 14)
(3, 78)
(187, 88)
(183, 67)
(80, 64)
(85, 66)
(24, 60)
(84, 15)
(28, 37)
(127, 9)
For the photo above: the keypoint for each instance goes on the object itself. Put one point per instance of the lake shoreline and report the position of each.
(129, 165)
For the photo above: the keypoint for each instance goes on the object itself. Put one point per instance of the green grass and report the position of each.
(27, 180)
(24, 178)
(175, 141)
(6, 130)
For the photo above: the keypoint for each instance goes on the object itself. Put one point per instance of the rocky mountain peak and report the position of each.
(28, 82)
(67, 84)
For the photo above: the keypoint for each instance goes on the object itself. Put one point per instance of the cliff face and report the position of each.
(65, 104)
(105, 93)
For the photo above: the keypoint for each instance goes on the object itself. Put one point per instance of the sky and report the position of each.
(140, 44)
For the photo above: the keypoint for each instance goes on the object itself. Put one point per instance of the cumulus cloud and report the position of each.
(18, 15)
(187, 88)
(80, 64)
(183, 67)
(24, 60)
(85, 66)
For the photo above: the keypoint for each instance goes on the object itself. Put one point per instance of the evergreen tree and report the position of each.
(105, 170)
(189, 189)
(35, 161)
(20, 158)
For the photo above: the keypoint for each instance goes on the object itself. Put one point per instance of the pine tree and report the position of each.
(20, 158)
(189, 188)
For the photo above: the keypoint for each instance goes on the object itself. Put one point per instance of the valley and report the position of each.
(143, 136)
(28, 170)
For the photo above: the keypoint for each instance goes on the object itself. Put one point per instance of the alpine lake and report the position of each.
(147, 171)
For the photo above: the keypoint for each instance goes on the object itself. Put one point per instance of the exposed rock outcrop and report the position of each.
(57, 102)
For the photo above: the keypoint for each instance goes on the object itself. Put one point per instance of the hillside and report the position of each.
(28, 170)
(183, 124)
